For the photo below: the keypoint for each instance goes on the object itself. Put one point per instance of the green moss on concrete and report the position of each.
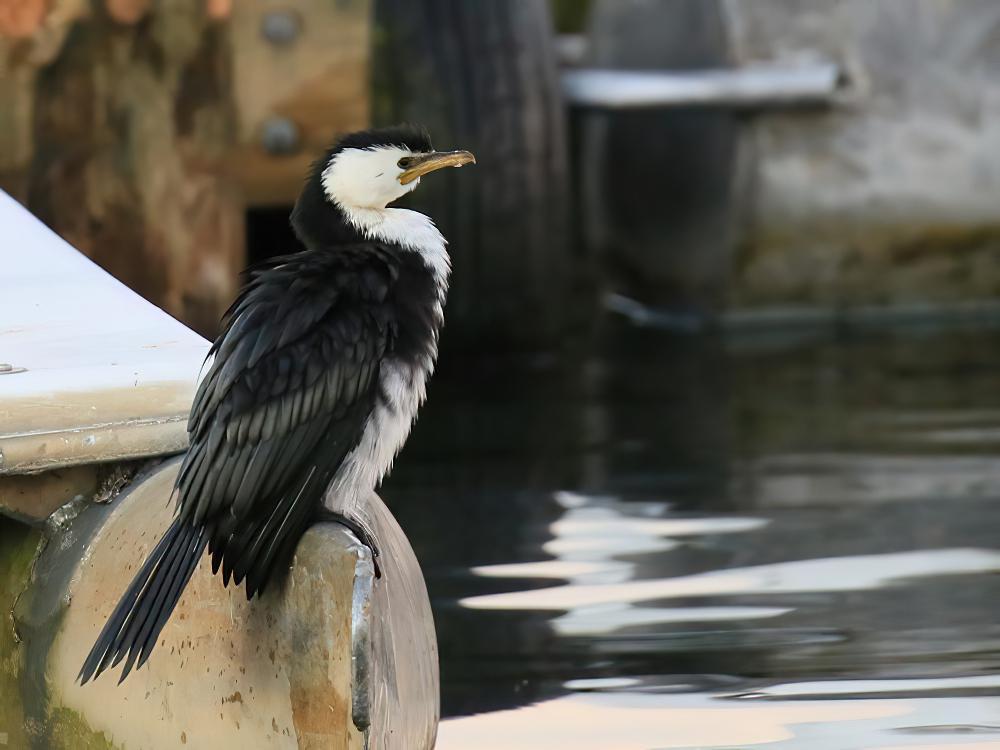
(847, 265)
(68, 731)
(64, 729)
(18, 545)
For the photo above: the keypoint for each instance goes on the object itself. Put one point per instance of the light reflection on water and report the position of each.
(666, 542)
(833, 574)
(632, 721)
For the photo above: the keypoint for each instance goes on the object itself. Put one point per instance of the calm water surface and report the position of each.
(715, 542)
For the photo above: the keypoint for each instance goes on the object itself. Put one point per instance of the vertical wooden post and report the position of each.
(483, 76)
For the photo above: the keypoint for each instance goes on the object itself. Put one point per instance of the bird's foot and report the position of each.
(362, 532)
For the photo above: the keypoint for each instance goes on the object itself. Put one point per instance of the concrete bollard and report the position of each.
(327, 658)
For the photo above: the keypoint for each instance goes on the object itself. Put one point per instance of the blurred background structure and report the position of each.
(169, 140)
(772, 153)
(887, 195)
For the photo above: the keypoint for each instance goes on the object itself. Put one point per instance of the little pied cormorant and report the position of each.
(311, 387)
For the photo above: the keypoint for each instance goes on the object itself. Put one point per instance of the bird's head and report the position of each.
(373, 168)
(368, 170)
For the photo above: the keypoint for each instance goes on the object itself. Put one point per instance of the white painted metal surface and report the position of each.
(750, 86)
(89, 370)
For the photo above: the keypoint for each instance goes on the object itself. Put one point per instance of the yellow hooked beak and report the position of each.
(420, 164)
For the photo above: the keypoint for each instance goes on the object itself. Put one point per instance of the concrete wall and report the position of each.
(891, 195)
(894, 195)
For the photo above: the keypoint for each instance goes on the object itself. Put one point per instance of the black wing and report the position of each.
(293, 380)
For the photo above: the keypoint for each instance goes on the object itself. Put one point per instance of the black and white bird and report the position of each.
(311, 388)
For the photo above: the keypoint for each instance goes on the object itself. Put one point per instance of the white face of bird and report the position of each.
(375, 177)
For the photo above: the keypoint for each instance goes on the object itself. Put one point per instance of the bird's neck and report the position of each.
(410, 230)
(323, 224)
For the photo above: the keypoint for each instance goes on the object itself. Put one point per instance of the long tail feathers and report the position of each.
(136, 623)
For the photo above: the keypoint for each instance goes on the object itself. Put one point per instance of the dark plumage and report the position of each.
(293, 380)
(409, 136)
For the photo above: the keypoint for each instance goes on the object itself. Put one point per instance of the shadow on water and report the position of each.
(713, 525)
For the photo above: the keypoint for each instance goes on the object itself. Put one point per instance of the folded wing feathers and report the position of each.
(291, 355)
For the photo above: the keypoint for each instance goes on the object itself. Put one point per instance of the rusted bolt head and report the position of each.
(281, 26)
(280, 136)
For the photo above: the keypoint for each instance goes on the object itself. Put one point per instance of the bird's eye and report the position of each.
(406, 162)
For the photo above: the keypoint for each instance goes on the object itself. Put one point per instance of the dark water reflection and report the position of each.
(697, 541)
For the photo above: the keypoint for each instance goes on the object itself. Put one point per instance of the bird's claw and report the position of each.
(359, 530)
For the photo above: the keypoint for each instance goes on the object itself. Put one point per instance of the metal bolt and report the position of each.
(281, 26)
(280, 136)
